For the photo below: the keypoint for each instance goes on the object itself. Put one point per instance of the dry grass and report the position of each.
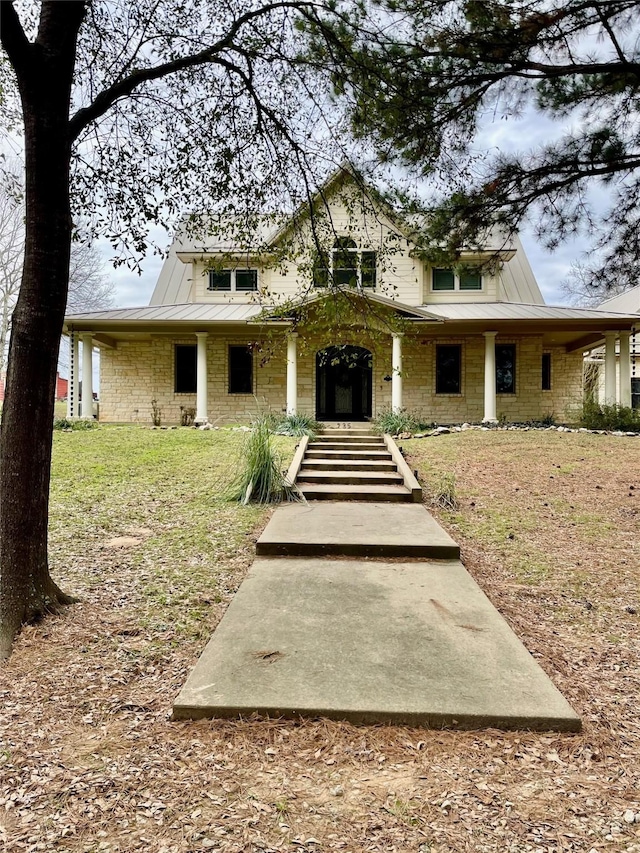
(91, 762)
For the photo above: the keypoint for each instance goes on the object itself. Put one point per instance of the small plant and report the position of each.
(609, 417)
(156, 414)
(260, 478)
(548, 420)
(187, 415)
(502, 419)
(76, 425)
(297, 426)
(444, 493)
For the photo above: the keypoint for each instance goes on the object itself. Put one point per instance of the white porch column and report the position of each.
(396, 373)
(73, 383)
(610, 368)
(201, 379)
(490, 378)
(625, 369)
(87, 376)
(292, 373)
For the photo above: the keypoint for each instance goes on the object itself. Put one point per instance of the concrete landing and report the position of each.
(408, 642)
(356, 530)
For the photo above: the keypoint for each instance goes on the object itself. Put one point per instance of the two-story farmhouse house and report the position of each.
(335, 313)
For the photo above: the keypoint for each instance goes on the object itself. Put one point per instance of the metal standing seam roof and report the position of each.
(229, 312)
(466, 311)
(629, 301)
(189, 312)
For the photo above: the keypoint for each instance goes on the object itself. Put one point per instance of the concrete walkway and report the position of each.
(365, 637)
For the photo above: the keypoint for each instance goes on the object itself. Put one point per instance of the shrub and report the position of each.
(297, 426)
(187, 415)
(260, 478)
(609, 417)
(75, 425)
(156, 413)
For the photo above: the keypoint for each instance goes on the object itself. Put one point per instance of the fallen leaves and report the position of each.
(90, 761)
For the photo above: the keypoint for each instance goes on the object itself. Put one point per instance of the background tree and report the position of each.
(131, 112)
(90, 289)
(426, 93)
(11, 256)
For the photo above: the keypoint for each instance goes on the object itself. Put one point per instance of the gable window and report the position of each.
(230, 281)
(240, 370)
(448, 279)
(546, 371)
(448, 368)
(185, 368)
(505, 368)
(345, 266)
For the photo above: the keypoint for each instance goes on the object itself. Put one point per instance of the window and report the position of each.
(448, 279)
(240, 281)
(506, 369)
(470, 280)
(546, 371)
(345, 266)
(321, 269)
(443, 280)
(240, 370)
(635, 393)
(448, 372)
(185, 369)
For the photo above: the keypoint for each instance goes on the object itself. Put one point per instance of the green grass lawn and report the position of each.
(164, 488)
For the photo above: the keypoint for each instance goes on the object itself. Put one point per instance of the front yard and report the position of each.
(549, 525)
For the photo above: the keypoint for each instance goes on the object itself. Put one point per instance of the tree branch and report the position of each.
(12, 37)
(123, 88)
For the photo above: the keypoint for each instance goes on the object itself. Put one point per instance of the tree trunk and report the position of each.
(26, 588)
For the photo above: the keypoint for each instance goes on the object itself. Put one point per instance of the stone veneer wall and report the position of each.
(138, 371)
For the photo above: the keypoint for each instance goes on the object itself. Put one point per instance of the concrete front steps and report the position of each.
(354, 464)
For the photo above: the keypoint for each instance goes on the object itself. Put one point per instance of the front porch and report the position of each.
(223, 377)
(446, 363)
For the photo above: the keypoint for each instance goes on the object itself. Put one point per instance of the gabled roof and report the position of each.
(412, 312)
(628, 302)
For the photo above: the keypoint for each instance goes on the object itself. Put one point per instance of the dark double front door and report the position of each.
(343, 384)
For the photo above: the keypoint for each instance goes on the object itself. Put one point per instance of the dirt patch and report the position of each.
(122, 542)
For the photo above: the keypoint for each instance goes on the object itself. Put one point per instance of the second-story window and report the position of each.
(448, 279)
(233, 281)
(345, 266)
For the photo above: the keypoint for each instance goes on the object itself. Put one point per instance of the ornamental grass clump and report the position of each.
(260, 478)
(393, 423)
(297, 426)
(444, 492)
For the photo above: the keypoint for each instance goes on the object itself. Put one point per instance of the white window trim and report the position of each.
(233, 272)
(358, 251)
(456, 282)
